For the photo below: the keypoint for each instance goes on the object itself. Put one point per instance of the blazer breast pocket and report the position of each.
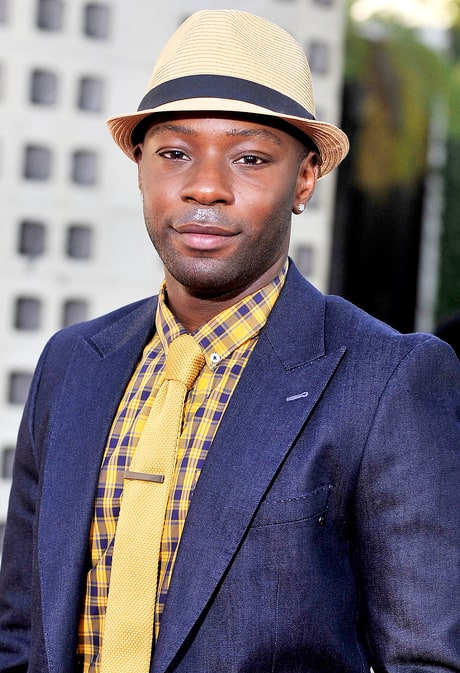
(296, 508)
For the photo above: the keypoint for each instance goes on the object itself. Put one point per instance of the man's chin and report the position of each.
(208, 279)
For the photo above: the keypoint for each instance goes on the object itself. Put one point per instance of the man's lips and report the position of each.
(203, 236)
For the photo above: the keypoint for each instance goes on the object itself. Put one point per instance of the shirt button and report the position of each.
(215, 358)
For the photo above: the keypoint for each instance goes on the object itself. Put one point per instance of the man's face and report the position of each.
(218, 196)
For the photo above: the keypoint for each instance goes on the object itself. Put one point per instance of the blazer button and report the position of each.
(322, 520)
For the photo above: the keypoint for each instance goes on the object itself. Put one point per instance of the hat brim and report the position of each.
(332, 143)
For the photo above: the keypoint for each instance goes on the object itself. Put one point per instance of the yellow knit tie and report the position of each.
(128, 633)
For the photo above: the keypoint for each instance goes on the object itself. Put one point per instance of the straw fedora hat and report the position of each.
(233, 61)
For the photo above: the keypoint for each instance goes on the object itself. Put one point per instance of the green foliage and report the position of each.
(402, 80)
(449, 280)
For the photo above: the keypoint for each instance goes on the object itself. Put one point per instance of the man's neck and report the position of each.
(193, 310)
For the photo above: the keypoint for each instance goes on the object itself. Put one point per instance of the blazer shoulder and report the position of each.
(311, 323)
(106, 320)
(349, 324)
(128, 327)
(126, 318)
(378, 349)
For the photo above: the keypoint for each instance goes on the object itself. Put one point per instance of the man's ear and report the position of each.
(309, 171)
(137, 153)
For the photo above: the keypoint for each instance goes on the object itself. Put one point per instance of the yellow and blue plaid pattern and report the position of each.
(227, 341)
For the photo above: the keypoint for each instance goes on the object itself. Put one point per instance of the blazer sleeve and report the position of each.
(407, 517)
(19, 604)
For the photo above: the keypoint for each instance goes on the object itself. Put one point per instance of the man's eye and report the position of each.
(174, 154)
(251, 160)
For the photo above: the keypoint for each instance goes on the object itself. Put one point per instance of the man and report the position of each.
(311, 516)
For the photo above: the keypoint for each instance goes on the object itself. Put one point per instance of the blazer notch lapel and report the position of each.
(137, 320)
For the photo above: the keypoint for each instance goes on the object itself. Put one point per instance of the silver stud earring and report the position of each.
(300, 207)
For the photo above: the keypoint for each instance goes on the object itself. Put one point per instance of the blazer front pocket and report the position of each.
(296, 508)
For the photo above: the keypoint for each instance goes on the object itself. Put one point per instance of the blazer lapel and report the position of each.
(267, 411)
(95, 379)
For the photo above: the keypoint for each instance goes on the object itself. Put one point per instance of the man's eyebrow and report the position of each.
(174, 128)
(166, 127)
(265, 134)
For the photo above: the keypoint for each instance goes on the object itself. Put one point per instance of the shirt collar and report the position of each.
(221, 335)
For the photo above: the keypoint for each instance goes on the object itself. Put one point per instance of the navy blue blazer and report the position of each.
(324, 532)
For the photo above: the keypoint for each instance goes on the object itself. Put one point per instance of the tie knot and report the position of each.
(184, 361)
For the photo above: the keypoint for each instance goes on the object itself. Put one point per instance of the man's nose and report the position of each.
(209, 181)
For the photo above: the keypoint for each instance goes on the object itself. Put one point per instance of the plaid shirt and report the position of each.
(227, 341)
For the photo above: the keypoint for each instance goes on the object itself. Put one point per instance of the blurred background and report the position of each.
(383, 230)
